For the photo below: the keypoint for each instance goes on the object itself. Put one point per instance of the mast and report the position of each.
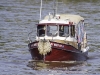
(41, 10)
(55, 7)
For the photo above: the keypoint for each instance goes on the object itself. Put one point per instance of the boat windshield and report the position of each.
(52, 30)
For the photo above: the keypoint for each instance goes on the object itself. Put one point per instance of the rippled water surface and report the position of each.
(18, 18)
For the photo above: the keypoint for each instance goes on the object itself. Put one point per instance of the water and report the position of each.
(18, 18)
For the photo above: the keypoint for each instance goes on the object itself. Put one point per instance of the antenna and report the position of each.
(56, 6)
(41, 10)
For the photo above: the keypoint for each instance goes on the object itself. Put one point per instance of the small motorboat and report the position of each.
(60, 37)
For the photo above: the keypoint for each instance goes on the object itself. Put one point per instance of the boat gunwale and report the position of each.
(75, 49)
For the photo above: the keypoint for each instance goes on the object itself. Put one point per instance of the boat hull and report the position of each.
(59, 52)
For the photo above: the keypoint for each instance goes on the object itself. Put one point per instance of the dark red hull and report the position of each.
(60, 52)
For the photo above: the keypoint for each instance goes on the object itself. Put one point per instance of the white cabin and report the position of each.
(63, 28)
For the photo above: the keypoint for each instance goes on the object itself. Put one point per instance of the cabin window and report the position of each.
(63, 30)
(72, 28)
(80, 32)
(41, 30)
(52, 30)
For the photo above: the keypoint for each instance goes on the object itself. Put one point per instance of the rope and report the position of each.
(44, 47)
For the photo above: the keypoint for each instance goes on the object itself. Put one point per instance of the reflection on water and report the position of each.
(18, 18)
(58, 65)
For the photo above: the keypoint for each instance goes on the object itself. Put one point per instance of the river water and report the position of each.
(18, 18)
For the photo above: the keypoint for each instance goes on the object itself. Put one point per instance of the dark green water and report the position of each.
(18, 18)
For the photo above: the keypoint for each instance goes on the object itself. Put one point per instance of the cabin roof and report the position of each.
(62, 18)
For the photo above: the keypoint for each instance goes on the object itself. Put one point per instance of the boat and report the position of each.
(60, 37)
